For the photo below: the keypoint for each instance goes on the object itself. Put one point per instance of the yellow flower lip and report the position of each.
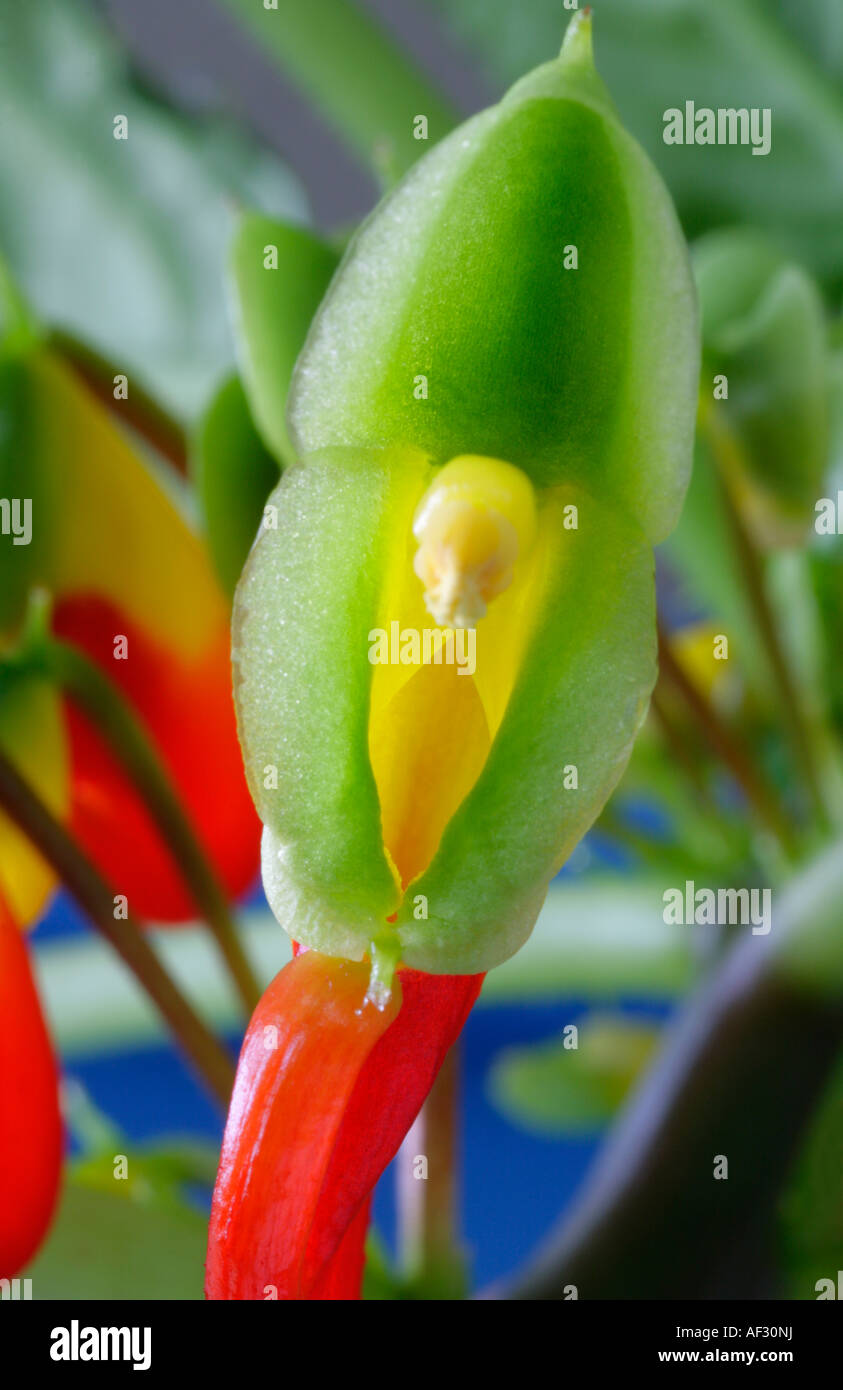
(474, 523)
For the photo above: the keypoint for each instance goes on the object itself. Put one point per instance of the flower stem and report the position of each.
(724, 451)
(95, 896)
(427, 1207)
(100, 700)
(758, 791)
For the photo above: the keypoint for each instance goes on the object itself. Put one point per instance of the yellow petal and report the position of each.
(113, 531)
(427, 752)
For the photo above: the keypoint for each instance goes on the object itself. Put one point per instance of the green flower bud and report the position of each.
(421, 779)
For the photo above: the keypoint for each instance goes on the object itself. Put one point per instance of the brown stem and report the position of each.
(95, 896)
(103, 704)
(724, 451)
(755, 786)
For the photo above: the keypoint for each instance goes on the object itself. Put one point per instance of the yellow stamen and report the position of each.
(476, 521)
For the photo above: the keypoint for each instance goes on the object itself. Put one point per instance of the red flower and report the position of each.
(30, 1124)
(327, 1087)
(187, 709)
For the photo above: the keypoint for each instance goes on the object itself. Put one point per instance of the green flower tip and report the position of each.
(577, 49)
(384, 953)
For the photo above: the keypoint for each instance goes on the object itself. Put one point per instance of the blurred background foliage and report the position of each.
(249, 125)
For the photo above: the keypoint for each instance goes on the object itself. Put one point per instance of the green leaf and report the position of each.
(280, 274)
(444, 1279)
(105, 1245)
(358, 79)
(153, 1176)
(720, 53)
(557, 1088)
(816, 26)
(234, 475)
(809, 924)
(811, 1216)
(764, 330)
(122, 242)
(826, 555)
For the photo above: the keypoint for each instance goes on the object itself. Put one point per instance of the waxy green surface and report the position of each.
(587, 379)
(583, 375)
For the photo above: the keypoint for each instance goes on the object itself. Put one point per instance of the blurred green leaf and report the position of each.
(234, 475)
(826, 555)
(658, 54)
(556, 1087)
(353, 72)
(279, 274)
(121, 241)
(817, 27)
(442, 1280)
(763, 328)
(811, 1219)
(105, 1245)
(154, 1176)
(705, 837)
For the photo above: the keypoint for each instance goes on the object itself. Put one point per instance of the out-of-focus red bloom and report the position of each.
(327, 1087)
(133, 588)
(187, 710)
(30, 1125)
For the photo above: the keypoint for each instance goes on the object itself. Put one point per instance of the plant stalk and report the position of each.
(427, 1206)
(756, 788)
(101, 702)
(724, 451)
(96, 898)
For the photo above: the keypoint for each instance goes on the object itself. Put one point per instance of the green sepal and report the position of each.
(585, 375)
(273, 305)
(233, 473)
(313, 589)
(310, 593)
